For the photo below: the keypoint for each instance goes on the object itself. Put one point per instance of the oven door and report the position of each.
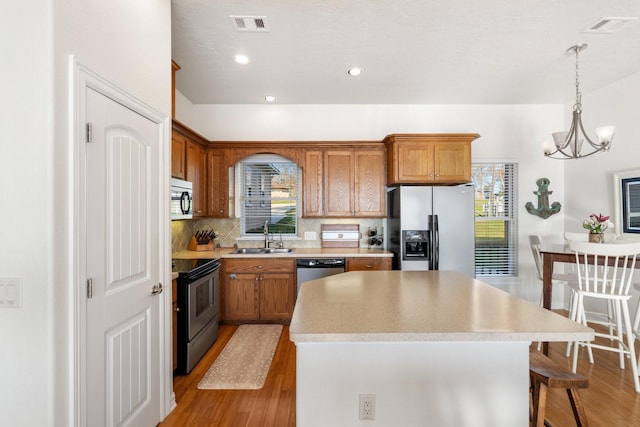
(202, 303)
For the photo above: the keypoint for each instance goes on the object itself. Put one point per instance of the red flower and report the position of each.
(600, 217)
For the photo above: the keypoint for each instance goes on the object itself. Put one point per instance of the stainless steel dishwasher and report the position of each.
(317, 268)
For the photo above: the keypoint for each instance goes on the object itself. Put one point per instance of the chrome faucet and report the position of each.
(266, 234)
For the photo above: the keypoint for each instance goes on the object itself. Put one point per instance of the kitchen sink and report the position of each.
(279, 251)
(262, 251)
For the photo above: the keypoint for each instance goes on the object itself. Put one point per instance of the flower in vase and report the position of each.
(597, 224)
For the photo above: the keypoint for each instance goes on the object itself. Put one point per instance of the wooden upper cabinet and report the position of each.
(338, 183)
(429, 158)
(369, 189)
(452, 162)
(344, 182)
(178, 150)
(218, 184)
(197, 174)
(312, 177)
(189, 162)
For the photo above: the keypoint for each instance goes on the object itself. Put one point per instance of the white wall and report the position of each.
(589, 182)
(26, 212)
(507, 132)
(127, 42)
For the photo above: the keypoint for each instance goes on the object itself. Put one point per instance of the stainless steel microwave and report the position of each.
(181, 199)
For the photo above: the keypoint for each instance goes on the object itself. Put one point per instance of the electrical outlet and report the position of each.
(367, 406)
(10, 292)
(310, 235)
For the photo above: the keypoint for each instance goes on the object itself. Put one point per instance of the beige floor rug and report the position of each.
(245, 360)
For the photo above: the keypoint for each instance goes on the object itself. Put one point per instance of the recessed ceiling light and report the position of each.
(270, 98)
(354, 71)
(241, 59)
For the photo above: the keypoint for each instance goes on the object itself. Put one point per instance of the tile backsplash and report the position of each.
(228, 231)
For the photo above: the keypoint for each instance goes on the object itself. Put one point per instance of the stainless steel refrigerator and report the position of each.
(431, 228)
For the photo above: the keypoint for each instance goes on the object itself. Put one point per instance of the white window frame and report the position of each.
(505, 209)
(240, 199)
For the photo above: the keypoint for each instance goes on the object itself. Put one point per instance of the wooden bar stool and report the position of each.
(545, 373)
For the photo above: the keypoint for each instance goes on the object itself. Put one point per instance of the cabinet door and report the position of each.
(241, 297)
(217, 185)
(178, 147)
(370, 263)
(260, 265)
(452, 162)
(276, 296)
(414, 162)
(369, 188)
(338, 190)
(312, 181)
(196, 173)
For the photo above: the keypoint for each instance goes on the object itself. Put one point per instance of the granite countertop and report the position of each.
(298, 253)
(419, 306)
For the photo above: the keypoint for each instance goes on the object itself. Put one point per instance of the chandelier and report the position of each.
(568, 144)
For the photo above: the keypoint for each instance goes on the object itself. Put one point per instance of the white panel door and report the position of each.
(122, 215)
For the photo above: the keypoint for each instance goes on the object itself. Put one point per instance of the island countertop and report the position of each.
(418, 306)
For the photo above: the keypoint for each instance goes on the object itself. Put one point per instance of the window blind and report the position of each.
(269, 194)
(496, 219)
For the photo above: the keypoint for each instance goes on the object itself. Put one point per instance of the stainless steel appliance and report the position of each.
(317, 268)
(181, 199)
(198, 306)
(431, 228)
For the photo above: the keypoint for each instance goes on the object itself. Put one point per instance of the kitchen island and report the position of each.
(434, 347)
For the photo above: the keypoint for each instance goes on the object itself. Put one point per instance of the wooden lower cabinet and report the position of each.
(259, 289)
(371, 263)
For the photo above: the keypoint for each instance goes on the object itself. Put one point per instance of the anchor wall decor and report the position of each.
(543, 210)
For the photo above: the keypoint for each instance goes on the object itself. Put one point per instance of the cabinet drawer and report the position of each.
(260, 265)
(363, 264)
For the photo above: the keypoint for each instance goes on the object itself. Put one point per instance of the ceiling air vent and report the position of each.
(608, 25)
(249, 23)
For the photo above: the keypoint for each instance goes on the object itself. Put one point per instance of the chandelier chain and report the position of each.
(578, 94)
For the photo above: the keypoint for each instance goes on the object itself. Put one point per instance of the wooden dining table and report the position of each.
(551, 254)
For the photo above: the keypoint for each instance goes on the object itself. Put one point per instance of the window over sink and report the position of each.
(268, 186)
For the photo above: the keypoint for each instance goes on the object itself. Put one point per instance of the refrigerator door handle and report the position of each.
(436, 243)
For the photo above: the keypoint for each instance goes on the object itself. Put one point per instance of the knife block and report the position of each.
(195, 246)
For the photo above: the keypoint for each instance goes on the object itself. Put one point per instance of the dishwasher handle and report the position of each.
(320, 262)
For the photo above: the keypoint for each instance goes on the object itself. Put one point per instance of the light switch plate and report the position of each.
(310, 235)
(10, 292)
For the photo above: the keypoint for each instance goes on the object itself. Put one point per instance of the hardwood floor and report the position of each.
(610, 399)
(272, 406)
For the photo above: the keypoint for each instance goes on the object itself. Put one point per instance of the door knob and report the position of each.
(157, 289)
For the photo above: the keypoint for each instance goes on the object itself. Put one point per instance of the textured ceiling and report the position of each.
(412, 52)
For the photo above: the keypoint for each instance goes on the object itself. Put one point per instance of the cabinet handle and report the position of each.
(177, 309)
(259, 266)
(369, 266)
(233, 276)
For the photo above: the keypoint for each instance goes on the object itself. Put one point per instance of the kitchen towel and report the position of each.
(245, 360)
